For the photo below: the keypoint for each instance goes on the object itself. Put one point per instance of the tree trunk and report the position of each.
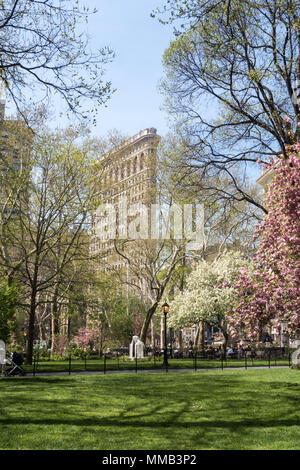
(147, 321)
(152, 334)
(225, 342)
(30, 335)
(40, 314)
(69, 328)
(226, 337)
(54, 321)
(101, 342)
(200, 337)
(180, 340)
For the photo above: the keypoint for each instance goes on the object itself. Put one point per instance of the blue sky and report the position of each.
(139, 42)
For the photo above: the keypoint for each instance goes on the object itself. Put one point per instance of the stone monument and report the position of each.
(296, 356)
(132, 347)
(136, 349)
(139, 349)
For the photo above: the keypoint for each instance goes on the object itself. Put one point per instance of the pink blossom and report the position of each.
(272, 294)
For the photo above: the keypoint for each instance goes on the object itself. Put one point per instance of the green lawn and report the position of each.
(253, 409)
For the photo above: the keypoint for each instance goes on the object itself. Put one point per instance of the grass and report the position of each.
(221, 410)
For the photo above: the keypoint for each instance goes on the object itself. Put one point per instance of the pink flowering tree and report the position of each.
(270, 295)
(87, 339)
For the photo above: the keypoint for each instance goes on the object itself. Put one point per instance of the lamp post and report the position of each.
(165, 308)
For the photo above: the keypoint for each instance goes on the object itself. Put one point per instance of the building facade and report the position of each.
(126, 177)
(15, 149)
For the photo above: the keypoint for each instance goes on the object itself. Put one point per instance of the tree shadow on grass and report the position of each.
(155, 424)
(149, 399)
(166, 408)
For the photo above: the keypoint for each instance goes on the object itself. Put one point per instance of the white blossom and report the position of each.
(209, 294)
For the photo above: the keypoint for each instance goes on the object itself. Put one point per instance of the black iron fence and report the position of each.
(117, 361)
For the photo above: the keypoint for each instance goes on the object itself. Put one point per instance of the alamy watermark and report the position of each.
(151, 222)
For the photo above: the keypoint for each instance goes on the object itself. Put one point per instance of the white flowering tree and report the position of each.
(210, 294)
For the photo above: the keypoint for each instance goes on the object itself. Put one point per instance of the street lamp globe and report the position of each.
(165, 307)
